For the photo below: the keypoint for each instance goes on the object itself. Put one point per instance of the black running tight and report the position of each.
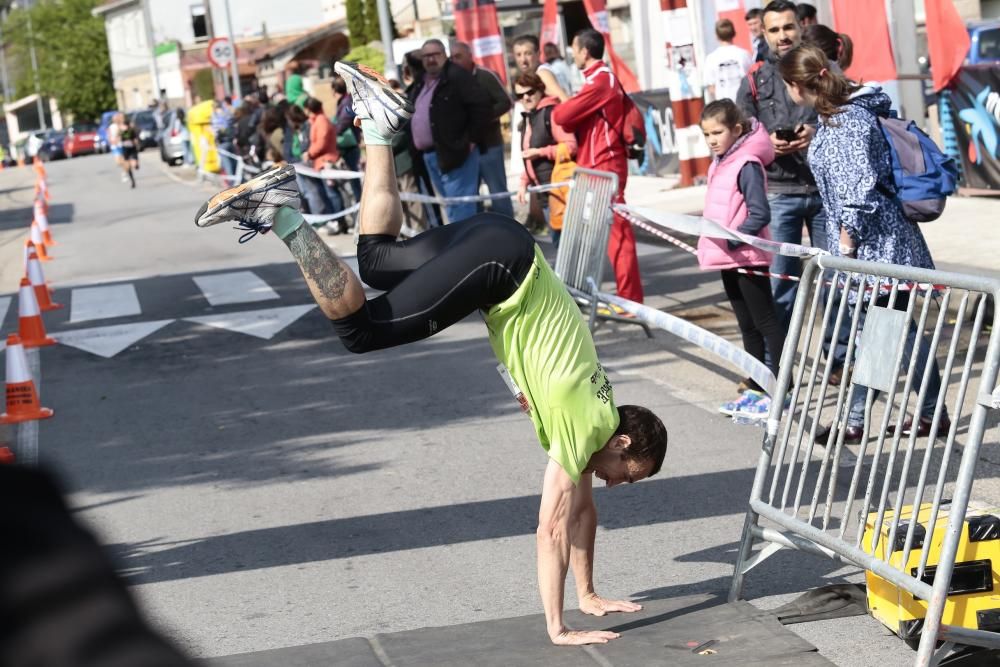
(753, 305)
(435, 279)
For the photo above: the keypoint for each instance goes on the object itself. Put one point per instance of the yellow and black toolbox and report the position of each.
(974, 594)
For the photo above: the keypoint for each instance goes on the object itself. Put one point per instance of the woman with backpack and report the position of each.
(851, 161)
(541, 139)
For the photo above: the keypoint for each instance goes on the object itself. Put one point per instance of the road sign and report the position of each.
(220, 52)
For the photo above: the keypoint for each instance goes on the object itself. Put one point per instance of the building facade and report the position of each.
(158, 48)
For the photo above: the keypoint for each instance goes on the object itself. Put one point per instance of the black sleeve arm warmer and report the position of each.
(754, 190)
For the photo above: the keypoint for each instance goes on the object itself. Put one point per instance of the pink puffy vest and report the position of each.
(725, 205)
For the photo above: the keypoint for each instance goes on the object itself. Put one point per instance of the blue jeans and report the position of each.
(228, 164)
(788, 213)
(352, 158)
(322, 199)
(493, 173)
(856, 412)
(460, 181)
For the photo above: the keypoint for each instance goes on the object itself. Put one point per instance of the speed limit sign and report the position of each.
(220, 52)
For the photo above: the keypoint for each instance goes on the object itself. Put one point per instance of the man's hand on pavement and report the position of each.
(578, 637)
(595, 605)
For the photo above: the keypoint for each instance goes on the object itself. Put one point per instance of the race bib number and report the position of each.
(514, 389)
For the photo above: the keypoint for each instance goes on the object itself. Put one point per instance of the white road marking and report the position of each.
(4, 305)
(104, 302)
(108, 341)
(235, 287)
(260, 323)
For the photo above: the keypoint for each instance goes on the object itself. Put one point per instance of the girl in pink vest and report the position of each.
(737, 199)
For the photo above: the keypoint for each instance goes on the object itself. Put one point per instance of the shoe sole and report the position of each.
(390, 100)
(263, 183)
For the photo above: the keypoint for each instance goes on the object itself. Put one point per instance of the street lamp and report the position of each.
(34, 60)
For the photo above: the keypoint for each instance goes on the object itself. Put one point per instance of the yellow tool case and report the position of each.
(974, 594)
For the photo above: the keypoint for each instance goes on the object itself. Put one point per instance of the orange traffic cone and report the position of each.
(22, 399)
(20, 161)
(42, 218)
(6, 456)
(31, 329)
(36, 238)
(37, 280)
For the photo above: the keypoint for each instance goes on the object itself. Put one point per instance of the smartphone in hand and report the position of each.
(786, 133)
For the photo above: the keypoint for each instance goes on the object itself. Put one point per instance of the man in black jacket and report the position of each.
(492, 169)
(451, 110)
(791, 190)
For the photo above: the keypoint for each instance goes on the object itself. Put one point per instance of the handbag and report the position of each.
(347, 139)
(562, 171)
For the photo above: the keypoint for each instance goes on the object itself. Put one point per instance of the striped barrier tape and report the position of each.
(642, 223)
(695, 335)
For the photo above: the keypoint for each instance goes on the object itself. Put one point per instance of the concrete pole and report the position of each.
(903, 24)
(3, 60)
(154, 70)
(234, 64)
(385, 28)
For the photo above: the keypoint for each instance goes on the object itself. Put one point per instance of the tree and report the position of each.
(356, 22)
(71, 46)
(372, 26)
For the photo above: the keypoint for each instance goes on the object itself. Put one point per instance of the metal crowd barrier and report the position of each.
(583, 245)
(799, 500)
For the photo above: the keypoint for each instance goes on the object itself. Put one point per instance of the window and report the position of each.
(198, 24)
(989, 44)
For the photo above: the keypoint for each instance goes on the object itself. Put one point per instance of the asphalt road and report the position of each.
(267, 489)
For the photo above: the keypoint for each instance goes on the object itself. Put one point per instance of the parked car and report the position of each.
(81, 139)
(33, 142)
(145, 123)
(171, 137)
(102, 131)
(52, 146)
(985, 38)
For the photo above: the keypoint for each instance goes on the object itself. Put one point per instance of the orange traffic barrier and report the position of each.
(42, 218)
(31, 328)
(22, 399)
(37, 280)
(36, 238)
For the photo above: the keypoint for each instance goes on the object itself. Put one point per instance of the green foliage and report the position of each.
(74, 67)
(366, 55)
(356, 21)
(372, 25)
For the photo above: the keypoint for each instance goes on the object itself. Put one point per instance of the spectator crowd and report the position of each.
(773, 127)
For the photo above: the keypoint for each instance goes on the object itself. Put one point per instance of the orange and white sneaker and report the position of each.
(374, 99)
(252, 204)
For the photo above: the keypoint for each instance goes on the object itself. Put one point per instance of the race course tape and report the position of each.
(695, 335)
(697, 226)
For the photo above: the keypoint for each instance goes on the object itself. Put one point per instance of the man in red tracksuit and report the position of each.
(596, 114)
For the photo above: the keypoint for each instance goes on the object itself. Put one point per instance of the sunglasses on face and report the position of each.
(525, 95)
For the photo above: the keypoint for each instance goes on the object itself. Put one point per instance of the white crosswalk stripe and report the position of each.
(103, 302)
(263, 323)
(234, 287)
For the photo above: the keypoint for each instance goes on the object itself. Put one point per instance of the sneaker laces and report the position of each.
(251, 229)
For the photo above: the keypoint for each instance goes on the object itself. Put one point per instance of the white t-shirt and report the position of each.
(725, 69)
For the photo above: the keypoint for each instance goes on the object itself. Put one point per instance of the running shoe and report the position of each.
(373, 98)
(748, 397)
(254, 203)
(758, 409)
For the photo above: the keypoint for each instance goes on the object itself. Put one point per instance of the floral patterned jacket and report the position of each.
(850, 160)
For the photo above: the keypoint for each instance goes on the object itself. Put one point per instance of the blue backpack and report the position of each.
(922, 175)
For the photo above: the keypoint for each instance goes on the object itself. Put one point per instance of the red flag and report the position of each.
(865, 21)
(550, 26)
(947, 41)
(598, 14)
(477, 25)
(735, 12)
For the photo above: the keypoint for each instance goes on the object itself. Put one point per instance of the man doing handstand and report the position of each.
(488, 263)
